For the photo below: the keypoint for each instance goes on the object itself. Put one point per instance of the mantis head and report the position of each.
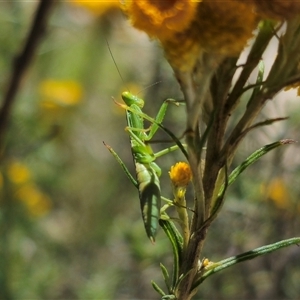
(130, 99)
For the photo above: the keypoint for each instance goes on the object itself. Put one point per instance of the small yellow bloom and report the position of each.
(60, 93)
(180, 174)
(278, 193)
(18, 172)
(161, 19)
(98, 7)
(35, 200)
(205, 262)
(1, 180)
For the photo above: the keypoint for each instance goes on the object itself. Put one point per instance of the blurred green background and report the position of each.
(70, 220)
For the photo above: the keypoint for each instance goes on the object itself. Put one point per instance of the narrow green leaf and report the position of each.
(166, 276)
(259, 79)
(253, 158)
(157, 288)
(228, 262)
(177, 244)
(241, 168)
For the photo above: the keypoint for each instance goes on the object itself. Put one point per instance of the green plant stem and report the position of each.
(180, 204)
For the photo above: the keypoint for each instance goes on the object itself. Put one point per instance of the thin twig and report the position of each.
(21, 63)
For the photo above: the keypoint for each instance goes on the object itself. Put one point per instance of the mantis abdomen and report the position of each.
(149, 189)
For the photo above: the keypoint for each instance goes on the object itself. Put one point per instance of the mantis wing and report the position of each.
(150, 198)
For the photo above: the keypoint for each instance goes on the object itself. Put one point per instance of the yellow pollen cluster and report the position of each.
(180, 174)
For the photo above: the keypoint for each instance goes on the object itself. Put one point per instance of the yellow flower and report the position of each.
(277, 192)
(98, 7)
(180, 174)
(1, 180)
(36, 201)
(161, 19)
(60, 93)
(18, 172)
(186, 28)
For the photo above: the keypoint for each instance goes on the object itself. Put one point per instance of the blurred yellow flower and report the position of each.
(97, 7)
(18, 172)
(278, 193)
(1, 180)
(36, 201)
(60, 93)
(180, 174)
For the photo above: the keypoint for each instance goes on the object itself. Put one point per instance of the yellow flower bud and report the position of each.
(180, 174)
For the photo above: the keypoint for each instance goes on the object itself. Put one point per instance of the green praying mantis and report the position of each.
(147, 171)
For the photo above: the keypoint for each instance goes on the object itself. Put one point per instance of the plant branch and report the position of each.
(21, 63)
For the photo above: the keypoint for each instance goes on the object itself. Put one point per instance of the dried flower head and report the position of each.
(278, 9)
(225, 28)
(187, 28)
(183, 50)
(161, 19)
(180, 174)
